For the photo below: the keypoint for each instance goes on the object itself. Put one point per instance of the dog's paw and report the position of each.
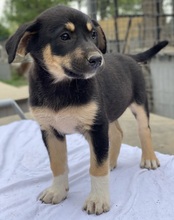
(53, 195)
(95, 204)
(113, 166)
(150, 163)
(57, 192)
(98, 200)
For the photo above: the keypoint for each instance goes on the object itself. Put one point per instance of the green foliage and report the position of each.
(16, 80)
(106, 8)
(4, 32)
(22, 11)
(129, 7)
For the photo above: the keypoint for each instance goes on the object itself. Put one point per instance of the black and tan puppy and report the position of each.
(76, 87)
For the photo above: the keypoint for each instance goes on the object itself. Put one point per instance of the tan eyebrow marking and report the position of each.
(70, 26)
(89, 26)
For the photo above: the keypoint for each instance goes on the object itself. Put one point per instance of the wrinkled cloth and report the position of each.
(136, 194)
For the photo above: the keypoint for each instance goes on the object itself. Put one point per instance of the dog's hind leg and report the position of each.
(115, 140)
(56, 146)
(149, 159)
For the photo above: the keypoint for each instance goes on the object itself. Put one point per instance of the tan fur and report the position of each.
(78, 53)
(70, 26)
(68, 120)
(96, 169)
(115, 139)
(21, 50)
(144, 132)
(58, 154)
(89, 26)
(54, 63)
(101, 38)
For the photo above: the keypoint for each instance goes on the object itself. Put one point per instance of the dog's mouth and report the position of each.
(75, 75)
(72, 74)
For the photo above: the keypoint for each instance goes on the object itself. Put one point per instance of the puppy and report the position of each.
(75, 86)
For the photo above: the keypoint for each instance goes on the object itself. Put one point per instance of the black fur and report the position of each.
(100, 139)
(74, 92)
(44, 138)
(143, 57)
(58, 135)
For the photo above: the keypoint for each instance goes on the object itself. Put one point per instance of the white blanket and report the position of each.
(136, 194)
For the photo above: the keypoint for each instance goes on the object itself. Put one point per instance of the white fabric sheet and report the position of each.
(136, 194)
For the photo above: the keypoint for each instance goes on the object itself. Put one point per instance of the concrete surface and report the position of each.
(12, 92)
(19, 94)
(5, 73)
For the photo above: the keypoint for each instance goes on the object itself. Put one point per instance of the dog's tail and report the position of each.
(148, 54)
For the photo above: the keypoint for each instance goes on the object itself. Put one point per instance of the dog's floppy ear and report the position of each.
(18, 42)
(102, 44)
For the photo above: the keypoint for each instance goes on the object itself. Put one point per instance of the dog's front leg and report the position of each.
(56, 146)
(98, 200)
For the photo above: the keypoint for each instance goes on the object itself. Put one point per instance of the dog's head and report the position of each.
(62, 40)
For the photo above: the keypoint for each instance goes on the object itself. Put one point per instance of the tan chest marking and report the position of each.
(68, 120)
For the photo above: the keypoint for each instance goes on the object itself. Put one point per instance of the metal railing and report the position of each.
(11, 103)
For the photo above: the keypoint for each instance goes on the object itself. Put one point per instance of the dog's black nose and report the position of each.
(95, 60)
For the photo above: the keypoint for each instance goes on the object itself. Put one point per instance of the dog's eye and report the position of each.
(94, 34)
(65, 37)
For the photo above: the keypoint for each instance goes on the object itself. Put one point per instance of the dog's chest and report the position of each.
(68, 120)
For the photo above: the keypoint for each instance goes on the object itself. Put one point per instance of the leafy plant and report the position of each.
(16, 80)
(21, 11)
(4, 32)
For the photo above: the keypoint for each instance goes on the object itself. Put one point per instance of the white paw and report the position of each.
(113, 166)
(150, 164)
(57, 192)
(98, 200)
(95, 204)
(53, 195)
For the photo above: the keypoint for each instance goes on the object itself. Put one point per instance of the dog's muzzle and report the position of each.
(95, 60)
(87, 68)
